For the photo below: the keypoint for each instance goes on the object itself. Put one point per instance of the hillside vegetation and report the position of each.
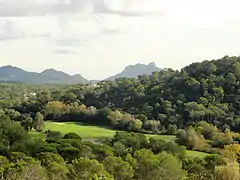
(198, 105)
(94, 132)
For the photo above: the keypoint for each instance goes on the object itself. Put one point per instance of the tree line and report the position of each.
(200, 104)
(159, 103)
(126, 156)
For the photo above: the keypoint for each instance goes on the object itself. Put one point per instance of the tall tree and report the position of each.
(39, 122)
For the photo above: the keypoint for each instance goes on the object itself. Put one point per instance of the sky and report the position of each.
(98, 38)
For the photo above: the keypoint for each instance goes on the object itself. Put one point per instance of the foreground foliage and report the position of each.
(125, 156)
(200, 105)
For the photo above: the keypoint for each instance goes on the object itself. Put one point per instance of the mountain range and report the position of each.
(133, 71)
(51, 76)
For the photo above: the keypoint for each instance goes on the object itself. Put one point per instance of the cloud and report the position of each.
(123, 8)
(109, 31)
(9, 31)
(63, 52)
(68, 42)
(23, 27)
(13, 8)
(67, 22)
(87, 35)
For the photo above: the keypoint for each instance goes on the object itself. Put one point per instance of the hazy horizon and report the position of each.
(41, 71)
(98, 38)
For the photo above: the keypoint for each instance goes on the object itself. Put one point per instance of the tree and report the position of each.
(44, 97)
(212, 161)
(54, 109)
(57, 171)
(55, 165)
(84, 168)
(132, 141)
(11, 132)
(39, 122)
(211, 68)
(152, 125)
(172, 129)
(118, 168)
(68, 98)
(24, 167)
(135, 125)
(46, 158)
(53, 135)
(191, 138)
(126, 120)
(27, 122)
(33, 171)
(236, 67)
(72, 136)
(13, 114)
(69, 153)
(207, 130)
(150, 166)
(120, 149)
(157, 146)
(115, 117)
(142, 118)
(3, 165)
(196, 170)
(231, 153)
(230, 171)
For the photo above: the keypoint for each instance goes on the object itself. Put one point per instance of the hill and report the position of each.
(206, 91)
(133, 71)
(49, 76)
(198, 107)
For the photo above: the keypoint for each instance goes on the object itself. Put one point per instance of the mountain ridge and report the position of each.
(48, 76)
(133, 71)
(11, 73)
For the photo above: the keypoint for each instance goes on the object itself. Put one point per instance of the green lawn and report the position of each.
(87, 131)
(166, 138)
(196, 154)
(96, 132)
(84, 131)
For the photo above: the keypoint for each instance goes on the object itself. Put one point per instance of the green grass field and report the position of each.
(196, 154)
(96, 132)
(87, 131)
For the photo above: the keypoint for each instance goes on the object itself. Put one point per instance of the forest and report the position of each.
(199, 104)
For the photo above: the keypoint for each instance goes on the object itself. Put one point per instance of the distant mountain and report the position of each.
(94, 81)
(52, 76)
(133, 71)
(49, 76)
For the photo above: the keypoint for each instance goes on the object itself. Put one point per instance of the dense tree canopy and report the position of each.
(200, 104)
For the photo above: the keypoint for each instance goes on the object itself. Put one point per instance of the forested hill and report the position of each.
(198, 106)
(48, 76)
(207, 91)
(133, 71)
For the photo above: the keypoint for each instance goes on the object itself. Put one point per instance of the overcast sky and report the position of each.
(98, 38)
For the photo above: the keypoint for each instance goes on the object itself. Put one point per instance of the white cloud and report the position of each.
(36, 7)
(97, 38)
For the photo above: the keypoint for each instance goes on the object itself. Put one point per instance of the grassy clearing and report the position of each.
(166, 138)
(95, 132)
(86, 131)
(196, 154)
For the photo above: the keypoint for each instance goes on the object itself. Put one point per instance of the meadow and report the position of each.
(95, 133)
(89, 131)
